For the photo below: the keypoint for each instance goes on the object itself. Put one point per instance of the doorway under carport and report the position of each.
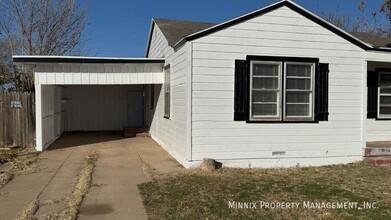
(103, 108)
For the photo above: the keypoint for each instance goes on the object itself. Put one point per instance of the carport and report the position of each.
(90, 94)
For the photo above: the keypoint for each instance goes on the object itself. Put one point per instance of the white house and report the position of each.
(276, 87)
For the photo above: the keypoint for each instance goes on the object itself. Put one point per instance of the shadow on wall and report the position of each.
(152, 103)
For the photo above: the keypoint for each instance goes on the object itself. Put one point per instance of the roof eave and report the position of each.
(179, 44)
(81, 60)
(272, 7)
(152, 26)
(381, 49)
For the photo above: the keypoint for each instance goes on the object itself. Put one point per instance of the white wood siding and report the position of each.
(282, 32)
(170, 133)
(51, 114)
(378, 130)
(98, 108)
(97, 74)
(159, 45)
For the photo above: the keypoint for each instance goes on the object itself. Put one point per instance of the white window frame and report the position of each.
(281, 97)
(167, 71)
(310, 117)
(382, 116)
(278, 116)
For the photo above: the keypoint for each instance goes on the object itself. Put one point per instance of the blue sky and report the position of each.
(119, 28)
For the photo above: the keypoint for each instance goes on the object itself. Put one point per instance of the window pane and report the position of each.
(297, 97)
(297, 110)
(265, 83)
(385, 90)
(265, 69)
(298, 70)
(299, 84)
(385, 110)
(264, 96)
(385, 100)
(385, 79)
(264, 109)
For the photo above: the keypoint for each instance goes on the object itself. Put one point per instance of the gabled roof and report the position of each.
(363, 41)
(175, 30)
(374, 40)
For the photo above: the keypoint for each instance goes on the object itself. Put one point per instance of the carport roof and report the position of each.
(77, 59)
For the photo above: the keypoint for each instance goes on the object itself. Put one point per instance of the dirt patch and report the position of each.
(150, 172)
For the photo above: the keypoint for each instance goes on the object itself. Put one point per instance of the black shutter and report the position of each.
(241, 90)
(372, 84)
(322, 92)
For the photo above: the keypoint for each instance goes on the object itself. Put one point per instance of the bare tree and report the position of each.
(6, 69)
(41, 27)
(371, 16)
(366, 21)
(343, 21)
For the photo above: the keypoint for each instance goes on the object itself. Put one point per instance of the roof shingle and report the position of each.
(372, 39)
(175, 30)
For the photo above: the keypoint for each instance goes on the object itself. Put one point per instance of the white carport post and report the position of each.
(38, 117)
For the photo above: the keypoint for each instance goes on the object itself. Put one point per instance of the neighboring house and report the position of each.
(276, 87)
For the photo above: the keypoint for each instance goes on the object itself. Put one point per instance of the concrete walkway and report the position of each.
(114, 193)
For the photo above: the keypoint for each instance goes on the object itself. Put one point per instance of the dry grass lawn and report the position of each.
(197, 195)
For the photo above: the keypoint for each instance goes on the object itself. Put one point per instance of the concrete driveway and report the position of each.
(113, 194)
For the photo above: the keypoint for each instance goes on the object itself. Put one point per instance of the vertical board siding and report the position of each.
(282, 32)
(95, 74)
(97, 108)
(170, 133)
(17, 124)
(51, 114)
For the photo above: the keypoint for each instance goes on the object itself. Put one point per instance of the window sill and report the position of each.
(282, 122)
(382, 119)
(167, 117)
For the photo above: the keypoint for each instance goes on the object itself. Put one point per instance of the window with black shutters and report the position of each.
(281, 89)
